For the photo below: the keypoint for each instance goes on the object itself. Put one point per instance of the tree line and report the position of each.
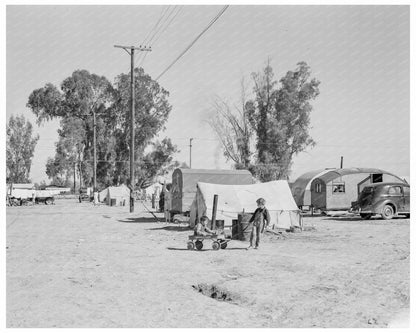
(262, 134)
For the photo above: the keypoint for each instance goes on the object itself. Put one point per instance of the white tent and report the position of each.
(121, 195)
(234, 199)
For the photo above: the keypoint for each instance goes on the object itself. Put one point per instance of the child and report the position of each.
(201, 228)
(258, 218)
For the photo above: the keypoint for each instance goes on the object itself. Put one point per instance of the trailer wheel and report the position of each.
(215, 246)
(223, 244)
(366, 216)
(48, 201)
(199, 245)
(191, 246)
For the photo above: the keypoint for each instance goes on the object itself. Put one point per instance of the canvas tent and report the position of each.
(184, 183)
(118, 195)
(234, 199)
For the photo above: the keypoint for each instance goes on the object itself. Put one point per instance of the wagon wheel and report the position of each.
(216, 245)
(387, 213)
(199, 245)
(191, 245)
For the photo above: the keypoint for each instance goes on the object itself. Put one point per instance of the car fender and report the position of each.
(378, 207)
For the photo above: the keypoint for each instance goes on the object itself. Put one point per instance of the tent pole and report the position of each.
(214, 212)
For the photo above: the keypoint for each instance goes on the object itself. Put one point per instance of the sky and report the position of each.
(361, 55)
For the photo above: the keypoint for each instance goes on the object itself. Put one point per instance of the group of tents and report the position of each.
(193, 193)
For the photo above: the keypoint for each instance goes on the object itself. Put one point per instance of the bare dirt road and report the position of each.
(77, 265)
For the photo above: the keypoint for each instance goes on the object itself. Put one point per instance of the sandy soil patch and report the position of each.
(76, 265)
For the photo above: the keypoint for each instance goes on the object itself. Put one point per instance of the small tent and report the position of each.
(115, 195)
(234, 199)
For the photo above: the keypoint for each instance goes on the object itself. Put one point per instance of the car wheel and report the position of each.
(366, 216)
(48, 201)
(388, 212)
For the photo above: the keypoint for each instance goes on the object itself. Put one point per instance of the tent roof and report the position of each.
(214, 171)
(236, 198)
(116, 191)
(27, 186)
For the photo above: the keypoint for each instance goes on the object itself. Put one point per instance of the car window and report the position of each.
(368, 189)
(395, 190)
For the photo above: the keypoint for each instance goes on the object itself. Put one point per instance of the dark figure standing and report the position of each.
(258, 219)
(162, 202)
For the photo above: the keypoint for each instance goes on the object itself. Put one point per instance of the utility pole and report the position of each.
(342, 161)
(75, 174)
(190, 153)
(131, 53)
(94, 190)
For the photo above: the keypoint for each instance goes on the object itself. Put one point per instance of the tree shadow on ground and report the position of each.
(139, 220)
(173, 228)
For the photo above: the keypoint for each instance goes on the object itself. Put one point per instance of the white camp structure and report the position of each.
(115, 195)
(234, 199)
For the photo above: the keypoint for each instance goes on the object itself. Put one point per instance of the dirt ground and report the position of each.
(79, 265)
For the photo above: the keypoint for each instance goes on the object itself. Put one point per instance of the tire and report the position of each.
(387, 212)
(191, 246)
(366, 216)
(224, 245)
(216, 246)
(199, 245)
(48, 201)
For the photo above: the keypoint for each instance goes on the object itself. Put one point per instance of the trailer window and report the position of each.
(318, 188)
(338, 188)
(377, 178)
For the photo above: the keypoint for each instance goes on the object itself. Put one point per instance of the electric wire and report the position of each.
(194, 41)
(160, 34)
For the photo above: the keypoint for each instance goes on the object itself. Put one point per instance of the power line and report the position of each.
(154, 27)
(161, 25)
(194, 41)
(168, 25)
(161, 33)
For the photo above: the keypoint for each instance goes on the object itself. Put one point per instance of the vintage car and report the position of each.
(385, 199)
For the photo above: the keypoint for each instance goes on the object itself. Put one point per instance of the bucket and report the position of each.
(244, 227)
(219, 224)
